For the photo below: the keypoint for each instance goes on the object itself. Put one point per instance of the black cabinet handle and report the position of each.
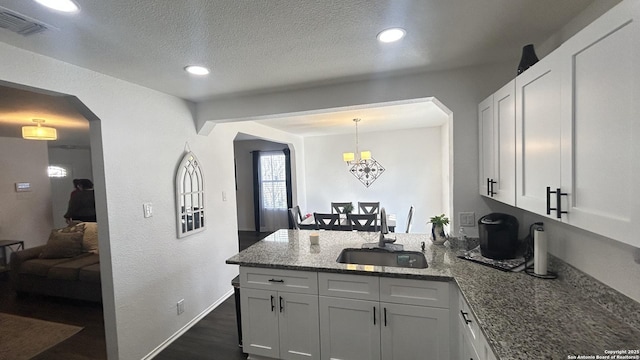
(559, 195)
(491, 192)
(272, 305)
(277, 281)
(549, 208)
(488, 187)
(374, 315)
(464, 316)
(385, 316)
(281, 304)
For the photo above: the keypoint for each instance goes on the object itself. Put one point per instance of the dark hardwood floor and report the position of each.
(213, 337)
(89, 343)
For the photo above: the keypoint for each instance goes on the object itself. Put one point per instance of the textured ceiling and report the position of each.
(259, 46)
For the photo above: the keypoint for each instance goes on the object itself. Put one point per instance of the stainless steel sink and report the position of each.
(382, 257)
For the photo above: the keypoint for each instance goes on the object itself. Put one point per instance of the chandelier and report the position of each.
(361, 164)
(357, 157)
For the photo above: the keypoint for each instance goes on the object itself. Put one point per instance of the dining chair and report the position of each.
(296, 211)
(339, 207)
(363, 222)
(368, 207)
(327, 221)
(409, 219)
(293, 218)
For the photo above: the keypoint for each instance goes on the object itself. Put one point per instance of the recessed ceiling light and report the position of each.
(61, 5)
(391, 35)
(196, 70)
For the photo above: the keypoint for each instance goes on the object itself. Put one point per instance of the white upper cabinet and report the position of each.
(601, 125)
(538, 134)
(487, 168)
(578, 129)
(497, 145)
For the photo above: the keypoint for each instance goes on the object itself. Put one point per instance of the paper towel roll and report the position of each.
(539, 252)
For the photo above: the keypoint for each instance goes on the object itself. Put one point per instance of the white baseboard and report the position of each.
(187, 326)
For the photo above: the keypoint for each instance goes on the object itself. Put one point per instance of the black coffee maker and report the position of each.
(498, 236)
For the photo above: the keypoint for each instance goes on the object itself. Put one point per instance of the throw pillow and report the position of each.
(62, 245)
(90, 238)
(73, 227)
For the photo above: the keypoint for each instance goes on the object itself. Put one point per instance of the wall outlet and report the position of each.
(148, 210)
(467, 219)
(180, 306)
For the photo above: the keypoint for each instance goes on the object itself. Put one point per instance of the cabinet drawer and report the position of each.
(415, 292)
(304, 282)
(349, 286)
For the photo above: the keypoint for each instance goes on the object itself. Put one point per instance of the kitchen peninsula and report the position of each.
(513, 315)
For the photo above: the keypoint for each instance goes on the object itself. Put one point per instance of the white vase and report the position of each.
(437, 234)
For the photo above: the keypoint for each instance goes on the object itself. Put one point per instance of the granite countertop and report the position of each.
(522, 317)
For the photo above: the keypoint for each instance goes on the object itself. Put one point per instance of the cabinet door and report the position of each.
(504, 135)
(468, 351)
(349, 329)
(601, 127)
(538, 134)
(410, 332)
(259, 322)
(486, 131)
(299, 326)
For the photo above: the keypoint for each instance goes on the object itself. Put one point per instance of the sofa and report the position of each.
(67, 266)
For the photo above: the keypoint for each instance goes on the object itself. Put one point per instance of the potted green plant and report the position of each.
(438, 236)
(348, 208)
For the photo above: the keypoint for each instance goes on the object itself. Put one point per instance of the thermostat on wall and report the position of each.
(23, 186)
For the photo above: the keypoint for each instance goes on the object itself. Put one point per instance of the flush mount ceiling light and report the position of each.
(196, 70)
(391, 35)
(39, 132)
(67, 6)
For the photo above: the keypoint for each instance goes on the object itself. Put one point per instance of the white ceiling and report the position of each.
(257, 46)
(375, 118)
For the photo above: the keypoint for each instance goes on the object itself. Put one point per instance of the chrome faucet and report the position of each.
(384, 229)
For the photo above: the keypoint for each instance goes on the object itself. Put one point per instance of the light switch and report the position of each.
(148, 210)
(224, 196)
(467, 219)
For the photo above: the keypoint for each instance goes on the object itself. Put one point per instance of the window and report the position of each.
(273, 181)
(190, 196)
(56, 171)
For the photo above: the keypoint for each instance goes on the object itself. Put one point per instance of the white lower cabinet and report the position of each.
(349, 329)
(278, 323)
(309, 315)
(412, 332)
(356, 325)
(472, 345)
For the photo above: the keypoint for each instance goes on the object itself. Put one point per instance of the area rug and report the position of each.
(24, 338)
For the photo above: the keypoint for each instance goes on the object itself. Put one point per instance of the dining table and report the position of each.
(309, 223)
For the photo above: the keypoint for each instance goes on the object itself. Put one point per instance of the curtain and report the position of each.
(271, 212)
(287, 164)
(256, 189)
